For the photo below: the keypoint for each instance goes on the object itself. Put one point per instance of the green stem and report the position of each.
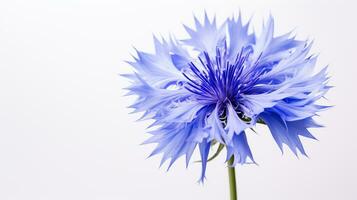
(232, 180)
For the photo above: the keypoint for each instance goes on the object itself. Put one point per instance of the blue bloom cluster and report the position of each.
(208, 89)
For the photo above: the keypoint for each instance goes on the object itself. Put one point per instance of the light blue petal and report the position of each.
(216, 130)
(239, 38)
(206, 36)
(234, 123)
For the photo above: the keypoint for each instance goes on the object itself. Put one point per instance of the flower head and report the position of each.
(208, 89)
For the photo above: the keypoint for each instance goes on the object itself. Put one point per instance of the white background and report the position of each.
(65, 131)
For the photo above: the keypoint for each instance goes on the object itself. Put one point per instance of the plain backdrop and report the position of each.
(65, 131)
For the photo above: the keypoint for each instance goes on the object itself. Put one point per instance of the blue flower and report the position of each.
(209, 88)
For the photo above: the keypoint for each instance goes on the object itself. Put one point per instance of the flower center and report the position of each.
(219, 79)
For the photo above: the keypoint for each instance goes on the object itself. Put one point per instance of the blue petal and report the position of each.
(288, 132)
(265, 38)
(239, 37)
(204, 151)
(240, 150)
